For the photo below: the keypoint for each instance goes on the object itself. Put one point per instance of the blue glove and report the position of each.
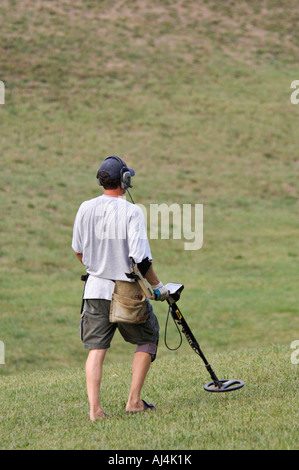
(160, 291)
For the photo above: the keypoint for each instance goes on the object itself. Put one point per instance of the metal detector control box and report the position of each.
(174, 290)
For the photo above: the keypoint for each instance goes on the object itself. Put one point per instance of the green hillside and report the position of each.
(196, 97)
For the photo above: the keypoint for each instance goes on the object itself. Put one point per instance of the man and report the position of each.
(108, 232)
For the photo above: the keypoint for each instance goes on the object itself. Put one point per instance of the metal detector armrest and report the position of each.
(137, 276)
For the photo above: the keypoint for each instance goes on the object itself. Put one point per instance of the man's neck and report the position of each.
(118, 192)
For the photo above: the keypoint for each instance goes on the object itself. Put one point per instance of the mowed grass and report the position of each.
(196, 98)
(48, 410)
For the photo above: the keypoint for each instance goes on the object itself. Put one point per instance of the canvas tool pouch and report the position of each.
(128, 304)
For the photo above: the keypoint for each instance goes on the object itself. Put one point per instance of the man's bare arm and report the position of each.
(79, 256)
(151, 276)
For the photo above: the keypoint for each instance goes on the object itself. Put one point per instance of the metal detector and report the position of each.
(217, 385)
(175, 290)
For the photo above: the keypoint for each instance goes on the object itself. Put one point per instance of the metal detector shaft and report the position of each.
(180, 320)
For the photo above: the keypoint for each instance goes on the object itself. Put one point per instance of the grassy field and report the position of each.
(48, 410)
(195, 95)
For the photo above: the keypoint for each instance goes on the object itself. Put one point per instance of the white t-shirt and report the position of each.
(108, 231)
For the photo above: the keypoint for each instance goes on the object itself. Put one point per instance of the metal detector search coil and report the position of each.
(227, 386)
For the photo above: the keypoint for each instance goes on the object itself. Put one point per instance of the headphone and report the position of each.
(125, 175)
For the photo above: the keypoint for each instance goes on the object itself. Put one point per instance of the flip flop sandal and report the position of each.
(97, 418)
(146, 407)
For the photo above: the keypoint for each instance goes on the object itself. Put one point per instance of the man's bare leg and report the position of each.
(93, 370)
(140, 367)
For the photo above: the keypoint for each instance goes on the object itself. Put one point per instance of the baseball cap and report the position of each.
(113, 166)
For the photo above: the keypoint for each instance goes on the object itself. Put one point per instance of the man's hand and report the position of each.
(160, 291)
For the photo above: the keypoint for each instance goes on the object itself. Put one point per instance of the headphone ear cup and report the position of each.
(125, 179)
